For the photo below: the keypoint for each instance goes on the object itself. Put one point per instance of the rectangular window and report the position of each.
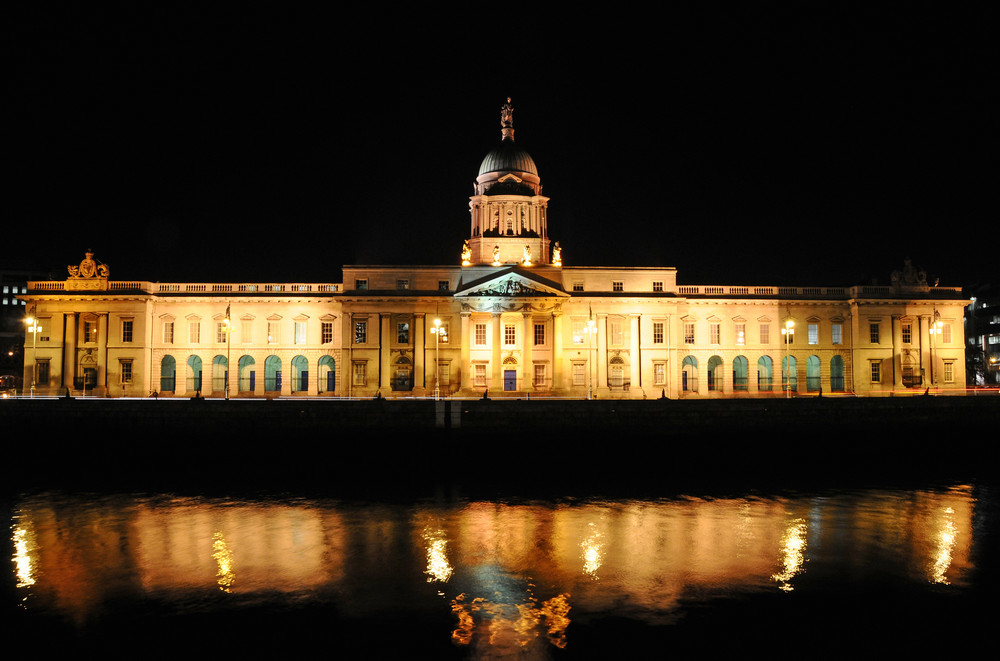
(657, 332)
(873, 332)
(220, 332)
(509, 334)
(360, 332)
(403, 332)
(578, 334)
(659, 374)
(43, 371)
(577, 286)
(360, 373)
(127, 330)
(479, 375)
(246, 331)
(272, 332)
(126, 371)
(402, 284)
(444, 369)
(813, 333)
(539, 335)
(89, 331)
(949, 372)
(194, 332)
(481, 335)
(946, 333)
(300, 332)
(443, 285)
(579, 374)
(539, 380)
(616, 332)
(657, 285)
(876, 372)
(837, 334)
(741, 334)
(445, 332)
(688, 333)
(618, 285)
(168, 332)
(907, 332)
(765, 333)
(715, 333)
(326, 330)
(361, 283)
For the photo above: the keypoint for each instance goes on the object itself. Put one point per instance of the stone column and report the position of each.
(419, 362)
(558, 378)
(102, 351)
(384, 368)
(528, 371)
(635, 376)
(602, 351)
(466, 366)
(497, 379)
(69, 349)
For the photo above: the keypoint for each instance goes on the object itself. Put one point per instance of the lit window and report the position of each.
(741, 334)
(539, 376)
(127, 330)
(539, 334)
(403, 332)
(813, 333)
(445, 332)
(479, 376)
(765, 333)
(272, 332)
(659, 374)
(689, 333)
(579, 374)
(194, 332)
(618, 285)
(327, 332)
(714, 333)
(616, 332)
(300, 332)
(578, 337)
(89, 331)
(220, 332)
(168, 332)
(946, 333)
(360, 332)
(509, 334)
(657, 332)
(837, 333)
(481, 334)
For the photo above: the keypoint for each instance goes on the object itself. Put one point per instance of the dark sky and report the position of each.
(753, 146)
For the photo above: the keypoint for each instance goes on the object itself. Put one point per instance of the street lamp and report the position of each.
(34, 328)
(438, 332)
(788, 331)
(590, 329)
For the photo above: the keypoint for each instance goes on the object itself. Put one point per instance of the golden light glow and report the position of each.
(946, 540)
(526, 257)
(793, 545)
(516, 625)
(23, 563)
(224, 559)
(592, 552)
(556, 612)
(438, 567)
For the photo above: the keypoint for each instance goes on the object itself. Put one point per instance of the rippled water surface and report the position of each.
(143, 575)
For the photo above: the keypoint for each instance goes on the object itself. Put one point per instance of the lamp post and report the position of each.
(34, 328)
(438, 331)
(788, 331)
(590, 329)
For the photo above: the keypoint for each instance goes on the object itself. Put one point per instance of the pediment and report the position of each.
(511, 283)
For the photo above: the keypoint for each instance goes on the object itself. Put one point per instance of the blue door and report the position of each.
(253, 380)
(330, 382)
(304, 380)
(510, 380)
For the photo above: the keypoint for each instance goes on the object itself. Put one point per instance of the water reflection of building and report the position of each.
(511, 574)
(512, 315)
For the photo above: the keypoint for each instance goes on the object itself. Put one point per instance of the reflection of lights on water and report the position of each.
(592, 556)
(793, 545)
(224, 558)
(522, 620)
(22, 558)
(438, 567)
(945, 548)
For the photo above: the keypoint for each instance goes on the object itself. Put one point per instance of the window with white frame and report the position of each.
(360, 373)
(906, 330)
(479, 375)
(273, 329)
(90, 331)
(813, 332)
(689, 332)
(837, 333)
(873, 332)
(949, 371)
(578, 334)
(361, 331)
(539, 380)
(220, 332)
(946, 333)
(616, 335)
(876, 372)
(326, 332)
(445, 332)
(539, 334)
(714, 333)
(741, 333)
(509, 334)
(579, 374)
(126, 371)
(300, 332)
(657, 332)
(194, 332)
(480, 334)
(402, 332)
(659, 373)
(765, 333)
(127, 325)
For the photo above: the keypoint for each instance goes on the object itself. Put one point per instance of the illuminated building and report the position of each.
(514, 317)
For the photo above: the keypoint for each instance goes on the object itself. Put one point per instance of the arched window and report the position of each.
(194, 374)
(837, 374)
(220, 373)
(715, 373)
(272, 374)
(789, 376)
(300, 374)
(168, 374)
(247, 374)
(765, 373)
(689, 374)
(616, 372)
(812, 374)
(327, 381)
(402, 374)
(740, 373)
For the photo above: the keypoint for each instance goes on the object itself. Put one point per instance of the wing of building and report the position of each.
(508, 318)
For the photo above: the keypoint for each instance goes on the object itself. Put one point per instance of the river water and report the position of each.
(859, 571)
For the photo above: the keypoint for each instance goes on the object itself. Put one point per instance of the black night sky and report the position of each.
(764, 145)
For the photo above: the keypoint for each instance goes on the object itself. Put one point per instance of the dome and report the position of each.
(508, 157)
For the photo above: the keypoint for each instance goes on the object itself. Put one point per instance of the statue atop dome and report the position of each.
(507, 120)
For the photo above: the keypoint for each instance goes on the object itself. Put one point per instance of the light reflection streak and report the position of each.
(23, 563)
(438, 567)
(945, 548)
(793, 545)
(224, 559)
(592, 555)
(511, 625)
